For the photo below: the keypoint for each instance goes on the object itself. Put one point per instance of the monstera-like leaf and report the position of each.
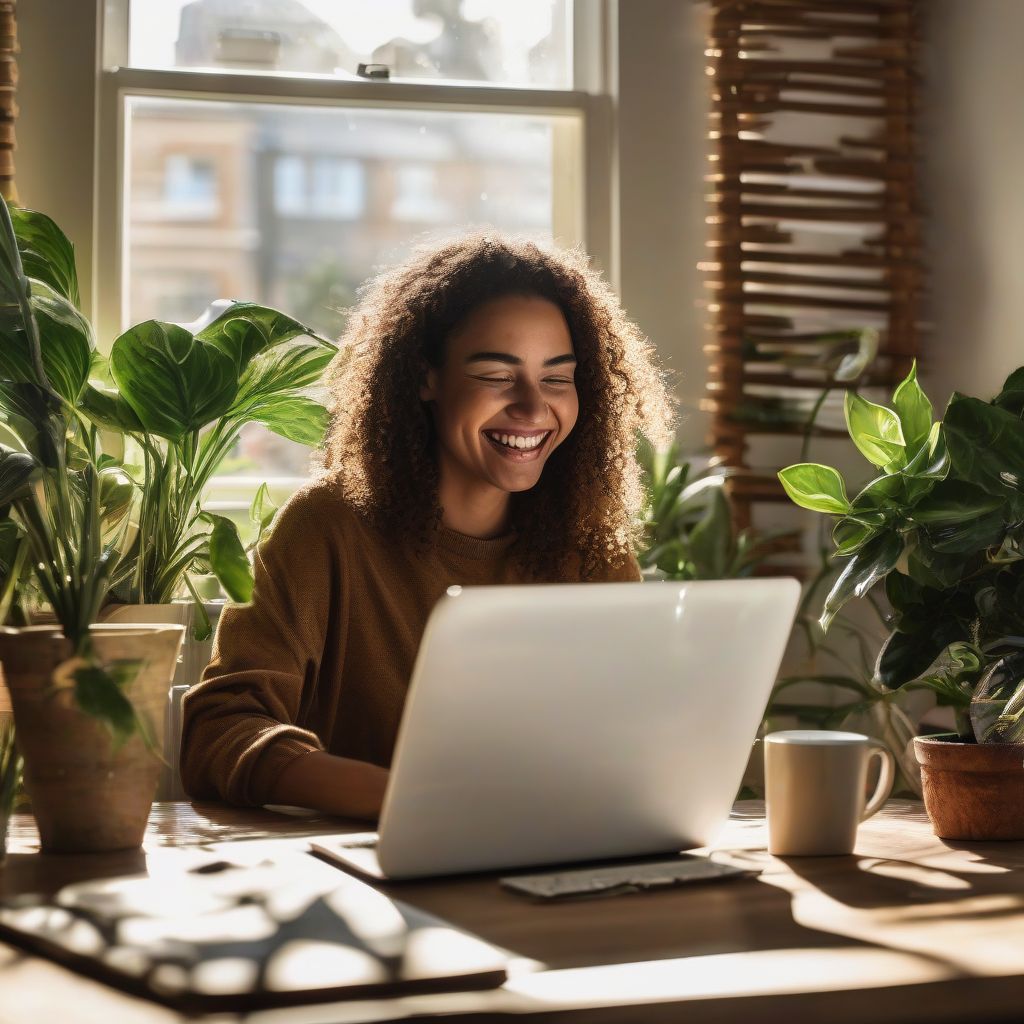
(245, 329)
(173, 381)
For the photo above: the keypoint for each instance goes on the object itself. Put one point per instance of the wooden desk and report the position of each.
(908, 929)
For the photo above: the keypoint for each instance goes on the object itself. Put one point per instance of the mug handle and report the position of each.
(886, 777)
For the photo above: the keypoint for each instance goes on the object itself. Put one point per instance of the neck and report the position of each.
(476, 511)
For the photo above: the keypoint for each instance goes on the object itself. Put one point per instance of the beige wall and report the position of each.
(57, 95)
(974, 152)
(663, 101)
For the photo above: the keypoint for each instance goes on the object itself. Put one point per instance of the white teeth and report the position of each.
(518, 441)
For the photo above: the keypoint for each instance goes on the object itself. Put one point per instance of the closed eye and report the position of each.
(558, 380)
(492, 380)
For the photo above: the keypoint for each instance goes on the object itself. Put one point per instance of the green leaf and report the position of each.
(853, 365)
(849, 536)
(876, 432)
(1011, 398)
(934, 569)
(904, 656)
(117, 492)
(16, 472)
(99, 693)
(914, 411)
(883, 494)
(262, 511)
(106, 408)
(245, 329)
(969, 537)
(953, 501)
(174, 383)
(228, 559)
(986, 444)
(292, 416)
(711, 539)
(819, 488)
(34, 415)
(46, 253)
(65, 339)
(861, 573)
(278, 371)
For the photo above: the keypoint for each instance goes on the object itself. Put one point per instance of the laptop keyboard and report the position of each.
(360, 844)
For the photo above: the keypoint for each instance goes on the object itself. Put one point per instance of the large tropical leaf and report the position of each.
(905, 656)
(292, 416)
(1011, 398)
(66, 344)
(245, 329)
(953, 501)
(34, 415)
(46, 253)
(106, 408)
(279, 370)
(173, 382)
(16, 472)
(986, 444)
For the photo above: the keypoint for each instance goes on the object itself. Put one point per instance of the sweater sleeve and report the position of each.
(239, 728)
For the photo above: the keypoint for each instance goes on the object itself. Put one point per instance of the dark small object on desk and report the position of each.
(617, 879)
(379, 72)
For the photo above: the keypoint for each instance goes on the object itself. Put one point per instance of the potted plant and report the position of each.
(81, 524)
(941, 526)
(84, 697)
(687, 529)
(171, 402)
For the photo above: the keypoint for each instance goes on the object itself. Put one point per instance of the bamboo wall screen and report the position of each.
(815, 221)
(8, 106)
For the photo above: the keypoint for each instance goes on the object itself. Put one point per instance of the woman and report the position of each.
(485, 406)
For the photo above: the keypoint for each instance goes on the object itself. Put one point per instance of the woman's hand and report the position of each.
(336, 785)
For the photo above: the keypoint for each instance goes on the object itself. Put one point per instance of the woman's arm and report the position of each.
(336, 785)
(240, 729)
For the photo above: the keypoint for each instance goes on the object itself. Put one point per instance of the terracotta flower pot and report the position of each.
(87, 797)
(972, 790)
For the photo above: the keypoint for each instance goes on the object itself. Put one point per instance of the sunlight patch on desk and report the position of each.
(305, 963)
(762, 972)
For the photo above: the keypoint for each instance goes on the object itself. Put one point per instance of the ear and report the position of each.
(428, 389)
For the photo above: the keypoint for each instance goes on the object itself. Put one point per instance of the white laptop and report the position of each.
(561, 723)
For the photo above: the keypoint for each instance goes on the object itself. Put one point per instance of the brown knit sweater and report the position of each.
(321, 658)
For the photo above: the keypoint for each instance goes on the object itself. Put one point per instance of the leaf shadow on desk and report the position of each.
(691, 920)
(874, 883)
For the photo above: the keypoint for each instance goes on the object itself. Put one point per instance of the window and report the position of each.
(255, 163)
(319, 186)
(190, 186)
(527, 43)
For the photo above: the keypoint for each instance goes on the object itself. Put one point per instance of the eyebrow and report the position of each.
(504, 357)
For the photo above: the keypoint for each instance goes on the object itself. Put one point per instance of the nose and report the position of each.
(527, 403)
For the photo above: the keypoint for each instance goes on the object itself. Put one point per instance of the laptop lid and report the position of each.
(554, 723)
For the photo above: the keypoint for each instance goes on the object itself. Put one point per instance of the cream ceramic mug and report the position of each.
(814, 787)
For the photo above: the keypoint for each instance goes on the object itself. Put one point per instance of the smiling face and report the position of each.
(502, 402)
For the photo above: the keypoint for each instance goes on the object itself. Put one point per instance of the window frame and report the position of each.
(584, 198)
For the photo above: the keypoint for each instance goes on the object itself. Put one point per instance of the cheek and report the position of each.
(569, 411)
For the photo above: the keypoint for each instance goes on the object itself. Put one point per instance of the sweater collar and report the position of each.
(473, 547)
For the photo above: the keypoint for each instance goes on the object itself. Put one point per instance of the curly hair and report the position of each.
(581, 516)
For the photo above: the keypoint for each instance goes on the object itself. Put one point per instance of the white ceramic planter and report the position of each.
(195, 654)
